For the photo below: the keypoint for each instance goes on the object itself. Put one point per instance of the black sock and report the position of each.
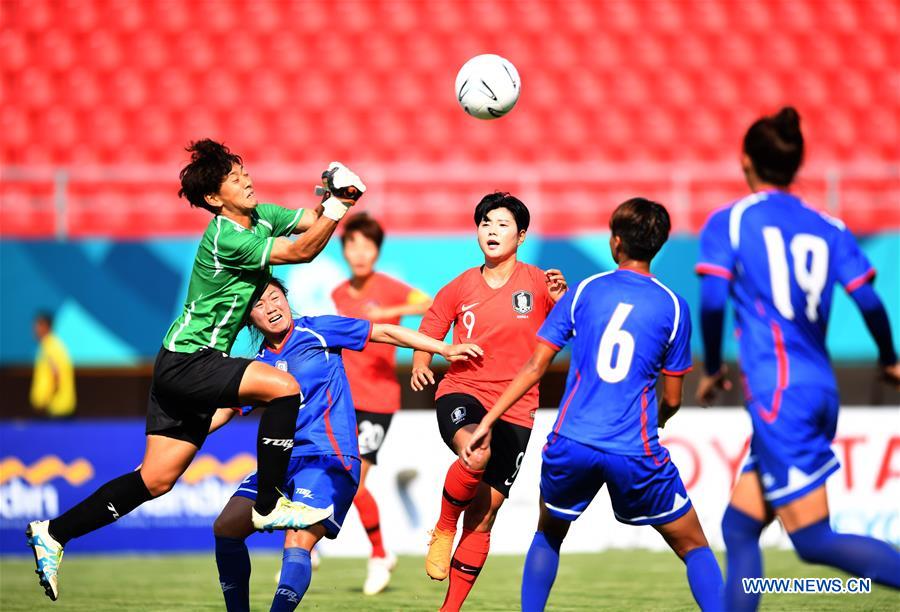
(116, 498)
(273, 449)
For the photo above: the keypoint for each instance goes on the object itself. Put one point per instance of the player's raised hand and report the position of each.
(340, 190)
(478, 443)
(422, 376)
(709, 386)
(342, 183)
(556, 283)
(891, 375)
(462, 352)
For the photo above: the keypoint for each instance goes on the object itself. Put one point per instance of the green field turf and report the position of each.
(614, 580)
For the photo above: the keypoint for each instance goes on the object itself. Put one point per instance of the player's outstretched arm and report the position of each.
(342, 189)
(528, 376)
(876, 318)
(671, 397)
(713, 297)
(398, 335)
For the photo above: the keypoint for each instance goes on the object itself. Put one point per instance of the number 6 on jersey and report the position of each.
(614, 336)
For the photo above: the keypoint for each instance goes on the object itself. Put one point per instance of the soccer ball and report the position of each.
(487, 86)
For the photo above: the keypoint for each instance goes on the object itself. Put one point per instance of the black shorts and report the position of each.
(508, 441)
(187, 389)
(371, 429)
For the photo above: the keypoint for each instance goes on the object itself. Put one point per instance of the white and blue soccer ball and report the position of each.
(488, 86)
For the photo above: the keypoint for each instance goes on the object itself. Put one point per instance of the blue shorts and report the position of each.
(317, 481)
(643, 490)
(791, 444)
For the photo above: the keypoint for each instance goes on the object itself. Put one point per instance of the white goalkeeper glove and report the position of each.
(342, 189)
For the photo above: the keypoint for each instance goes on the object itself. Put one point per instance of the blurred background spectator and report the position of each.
(53, 382)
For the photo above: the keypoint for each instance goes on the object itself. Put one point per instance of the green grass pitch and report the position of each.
(613, 580)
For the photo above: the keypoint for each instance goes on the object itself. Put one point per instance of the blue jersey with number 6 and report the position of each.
(782, 259)
(624, 327)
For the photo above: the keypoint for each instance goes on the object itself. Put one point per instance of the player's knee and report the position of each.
(284, 386)
(683, 548)
(811, 543)
(729, 529)
(220, 527)
(807, 552)
(554, 529)
(480, 522)
(738, 527)
(158, 484)
(478, 460)
(224, 527)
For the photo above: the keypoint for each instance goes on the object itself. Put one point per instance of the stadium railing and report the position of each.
(134, 201)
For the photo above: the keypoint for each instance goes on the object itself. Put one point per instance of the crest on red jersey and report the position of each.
(522, 302)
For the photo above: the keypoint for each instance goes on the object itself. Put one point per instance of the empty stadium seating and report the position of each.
(119, 83)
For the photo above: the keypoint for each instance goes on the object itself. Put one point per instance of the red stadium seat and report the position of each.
(604, 81)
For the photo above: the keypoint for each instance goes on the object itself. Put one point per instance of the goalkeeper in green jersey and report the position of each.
(193, 374)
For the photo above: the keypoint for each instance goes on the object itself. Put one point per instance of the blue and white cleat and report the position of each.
(289, 514)
(47, 556)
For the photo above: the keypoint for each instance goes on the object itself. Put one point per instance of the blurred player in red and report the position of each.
(499, 305)
(373, 380)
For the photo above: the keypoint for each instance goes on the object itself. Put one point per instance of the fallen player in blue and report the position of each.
(625, 328)
(323, 474)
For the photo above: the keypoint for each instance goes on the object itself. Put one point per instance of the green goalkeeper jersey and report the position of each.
(230, 269)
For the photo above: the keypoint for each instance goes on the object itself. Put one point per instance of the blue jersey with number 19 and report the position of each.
(782, 259)
(625, 327)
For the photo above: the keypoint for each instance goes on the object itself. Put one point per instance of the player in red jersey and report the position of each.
(500, 305)
(373, 379)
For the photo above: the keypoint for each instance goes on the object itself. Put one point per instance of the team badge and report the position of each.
(281, 364)
(522, 302)
(458, 414)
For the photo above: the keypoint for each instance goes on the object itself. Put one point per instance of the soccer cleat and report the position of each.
(47, 556)
(437, 561)
(289, 514)
(379, 574)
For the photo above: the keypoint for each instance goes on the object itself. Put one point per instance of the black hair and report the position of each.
(643, 226)
(363, 224)
(775, 146)
(502, 199)
(210, 164)
(45, 317)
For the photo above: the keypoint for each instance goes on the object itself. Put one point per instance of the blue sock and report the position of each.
(705, 578)
(857, 555)
(233, 560)
(296, 572)
(743, 558)
(541, 564)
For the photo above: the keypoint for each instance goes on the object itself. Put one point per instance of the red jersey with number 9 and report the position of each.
(504, 322)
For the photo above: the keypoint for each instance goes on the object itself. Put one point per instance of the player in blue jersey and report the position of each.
(324, 469)
(780, 260)
(625, 328)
